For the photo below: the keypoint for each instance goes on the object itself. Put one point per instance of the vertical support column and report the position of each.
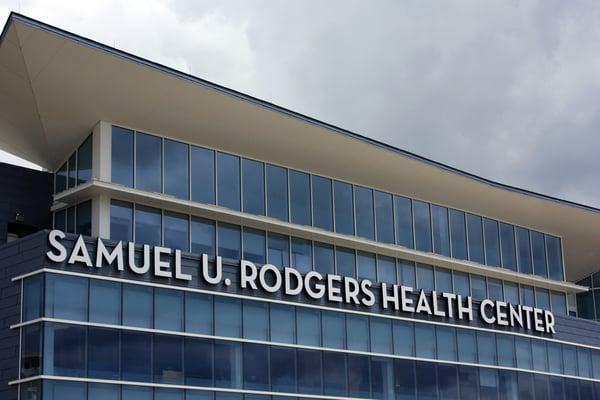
(102, 151)
(101, 216)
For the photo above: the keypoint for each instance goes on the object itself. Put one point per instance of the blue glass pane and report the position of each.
(228, 364)
(584, 362)
(63, 297)
(64, 350)
(458, 234)
(425, 340)
(381, 335)
(595, 362)
(31, 350)
(283, 369)
(408, 275)
(58, 390)
(203, 236)
(495, 289)
(468, 382)
(367, 266)
(492, 242)
(256, 320)
(447, 381)
(308, 321)
(507, 385)
(344, 208)
(309, 371)
(253, 173)
(322, 203)
(386, 269)
(467, 351)
(137, 306)
(198, 362)
(363, 203)
(345, 260)
(334, 374)
(506, 350)
(60, 220)
(559, 303)
(461, 283)
(228, 237)
(478, 287)
(511, 293)
(539, 355)
(441, 237)
(256, 367)
(382, 377)
(254, 245)
(403, 221)
(278, 250)
(523, 349)
(507, 246)
(527, 296)
(556, 388)
(198, 313)
(426, 381)
(228, 317)
(540, 384)
(525, 384)
(176, 228)
(486, 348)
(32, 297)
(554, 255)
(105, 302)
(384, 213)
(488, 384)
(443, 280)
(357, 331)
(299, 198)
(446, 343)
(422, 226)
(538, 248)
(72, 170)
(121, 221)
(148, 162)
(168, 309)
(168, 394)
(404, 379)
(283, 328)
(176, 169)
(103, 353)
(147, 225)
(70, 220)
(555, 358)
(425, 279)
(60, 178)
(228, 181)
(570, 388)
(103, 392)
(203, 175)
(84, 218)
(277, 192)
(301, 254)
(84, 161)
(324, 259)
(333, 330)
(404, 338)
(475, 238)
(359, 380)
(523, 251)
(168, 359)
(542, 298)
(136, 358)
(121, 157)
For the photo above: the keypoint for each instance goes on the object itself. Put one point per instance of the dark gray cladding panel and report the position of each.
(34, 248)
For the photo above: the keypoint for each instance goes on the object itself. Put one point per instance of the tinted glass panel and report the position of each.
(322, 203)
(229, 241)
(54, 390)
(506, 350)
(384, 212)
(461, 283)
(121, 221)
(492, 242)
(84, 218)
(527, 296)
(359, 375)
(176, 228)
(486, 347)
(135, 356)
(426, 381)
(308, 322)
(425, 279)
(507, 246)
(72, 170)
(334, 374)
(386, 269)
(381, 336)
(103, 353)
(333, 330)
(446, 343)
(365, 223)
(31, 349)
(253, 173)
(324, 261)
(511, 293)
(227, 364)
(84, 161)
(447, 381)
(407, 273)
(147, 225)
(168, 309)
(203, 175)
(403, 221)
(523, 251)
(538, 248)
(168, 359)
(554, 255)
(404, 379)
(228, 181)
(542, 298)
(283, 369)
(254, 245)
(256, 320)
(203, 236)
(422, 226)
(105, 302)
(443, 280)
(176, 169)
(63, 297)
(60, 220)
(33, 289)
(555, 358)
(228, 317)
(425, 340)
(523, 349)
(495, 289)
(478, 287)
(70, 220)
(299, 198)
(404, 338)
(148, 160)
(441, 237)
(467, 351)
(198, 359)
(458, 234)
(278, 250)
(344, 208)
(60, 178)
(64, 350)
(301, 254)
(198, 313)
(256, 367)
(309, 371)
(357, 332)
(283, 327)
(277, 192)
(559, 303)
(137, 306)
(539, 355)
(475, 238)
(346, 261)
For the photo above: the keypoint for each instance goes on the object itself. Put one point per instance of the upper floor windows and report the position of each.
(77, 169)
(241, 184)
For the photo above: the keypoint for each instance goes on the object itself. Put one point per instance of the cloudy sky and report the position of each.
(509, 90)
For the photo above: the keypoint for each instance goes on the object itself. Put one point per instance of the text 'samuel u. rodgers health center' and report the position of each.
(203, 244)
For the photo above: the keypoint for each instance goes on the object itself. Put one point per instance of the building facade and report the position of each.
(209, 245)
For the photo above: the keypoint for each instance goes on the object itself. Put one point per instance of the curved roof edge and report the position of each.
(14, 16)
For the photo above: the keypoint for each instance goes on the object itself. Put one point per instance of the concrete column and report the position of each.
(102, 151)
(101, 216)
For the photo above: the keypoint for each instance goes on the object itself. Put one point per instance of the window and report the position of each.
(168, 359)
(310, 371)
(278, 250)
(359, 378)
(98, 391)
(539, 355)
(458, 234)
(121, 221)
(506, 350)
(403, 221)
(334, 374)
(253, 173)
(256, 320)
(447, 381)
(554, 255)
(64, 350)
(461, 283)
(441, 238)
(254, 245)
(523, 351)
(422, 226)
(60, 179)
(322, 203)
(386, 270)
(203, 236)
(277, 192)
(569, 359)
(176, 235)
(486, 348)
(177, 169)
(425, 340)
(523, 251)
(60, 218)
(300, 198)
(105, 302)
(136, 358)
(33, 289)
(363, 203)
(227, 364)
(404, 377)
(467, 351)
(256, 367)
(31, 350)
(511, 293)
(384, 212)
(57, 390)
(122, 156)
(507, 246)
(228, 317)
(542, 298)
(283, 323)
(308, 321)
(426, 380)
(283, 369)
(301, 254)
(228, 181)
(345, 261)
(382, 378)
(446, 343)
(63, 297)
(475, 238)
(198, 359)
(168, 309)
(495, 289)
(229, 241)
(333, 333)
(203, 175)
(84, 218)
(148, 162)
(103, 353)
(443, 280)
(324, 261)
(147, 225)
(381, 335)
(357, 332)
(344, 208)
(137, 393)
(71, 219)
(538, 248)
(404, 337)
(425, 278)
(198, 313)
(72, 170)
(84, 161)
(492, 242)
(137, 306)
(407, 273)
(478, 287)
(559, 303)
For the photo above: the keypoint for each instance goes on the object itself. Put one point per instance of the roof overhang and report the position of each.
(55, 86)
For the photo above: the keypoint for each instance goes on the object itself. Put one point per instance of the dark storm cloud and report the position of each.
(509, 90)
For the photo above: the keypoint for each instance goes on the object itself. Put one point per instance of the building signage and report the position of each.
(271, 279)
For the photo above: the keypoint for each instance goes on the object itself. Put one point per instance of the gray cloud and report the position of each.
(509, 90)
